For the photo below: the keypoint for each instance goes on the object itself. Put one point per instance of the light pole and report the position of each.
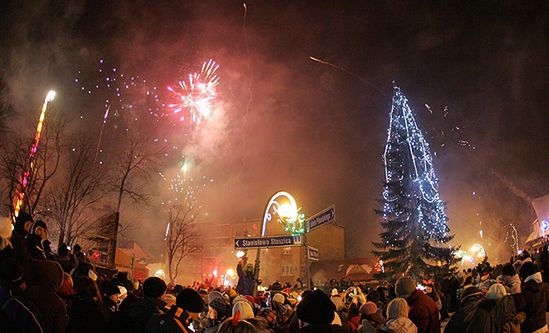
(286, 210)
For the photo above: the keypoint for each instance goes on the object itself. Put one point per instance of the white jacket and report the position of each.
(400, 325)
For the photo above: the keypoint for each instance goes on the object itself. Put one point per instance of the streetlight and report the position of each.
(287, 212)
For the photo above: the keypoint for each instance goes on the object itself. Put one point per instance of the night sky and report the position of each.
(291, 123)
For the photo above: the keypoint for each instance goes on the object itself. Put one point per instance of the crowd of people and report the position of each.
(42, 291)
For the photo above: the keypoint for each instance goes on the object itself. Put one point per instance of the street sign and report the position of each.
(312, 253)
(325, 216)
(267, 242)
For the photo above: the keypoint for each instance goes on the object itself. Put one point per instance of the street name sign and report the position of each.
(267, 242)
(324, 216)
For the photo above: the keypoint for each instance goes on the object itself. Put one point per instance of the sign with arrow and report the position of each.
(267, 242)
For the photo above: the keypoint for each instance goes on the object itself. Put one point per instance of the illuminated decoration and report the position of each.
(287, 212)
(544, 226)
(475, 254)
(160, 273)
(413, 219)
(197, 93)
(34, 148)
(477, 251)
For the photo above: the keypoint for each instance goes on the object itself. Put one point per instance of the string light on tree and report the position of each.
(413, 219)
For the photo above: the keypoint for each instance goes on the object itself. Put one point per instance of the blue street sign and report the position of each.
(266, 242)
(325, 216)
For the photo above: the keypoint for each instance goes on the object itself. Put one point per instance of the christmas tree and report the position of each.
(414, 224)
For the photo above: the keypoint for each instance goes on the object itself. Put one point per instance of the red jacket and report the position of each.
(423, 312)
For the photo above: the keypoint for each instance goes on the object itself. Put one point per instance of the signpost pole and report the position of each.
(307, 262)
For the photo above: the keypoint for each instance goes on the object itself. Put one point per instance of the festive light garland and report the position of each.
(403, 131)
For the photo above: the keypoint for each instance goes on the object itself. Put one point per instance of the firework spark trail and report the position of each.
(250, 91)
(344, 70)
(101, 133)
(197, 93)
(34, 148)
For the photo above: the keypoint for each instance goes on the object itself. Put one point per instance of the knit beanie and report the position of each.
(508, 270)
(496, 291)
(279, 298)
(316, 309)
(219, 304)
(527, 269)
(368, 308)
(154, 287)
(245, 309)
(188, 299)
(405, 286)
(397, 308)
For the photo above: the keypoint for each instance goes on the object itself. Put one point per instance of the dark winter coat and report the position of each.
(491, 315)
(535, 303)
(245, 284)
(321, 329)
(46, 278)
(87, 316)
(20, 246)
(18, 315)
(462, 320)
(175, 320)
(136, 312)
(423, 312)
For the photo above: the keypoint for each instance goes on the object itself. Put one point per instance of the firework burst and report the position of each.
(197, 94)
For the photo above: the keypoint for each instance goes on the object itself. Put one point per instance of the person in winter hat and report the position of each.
(463, 318)
(135, 312)
(535, 298)
(188, 306)
(423, 310)
(87, 313)
(46, 279)
(218, 310)
(110, 293)
(23, 225)
(316, 312)
(245, 272)
(510, 279)
(397, 317)
(371, 319)
(244, 309)
(36, 239)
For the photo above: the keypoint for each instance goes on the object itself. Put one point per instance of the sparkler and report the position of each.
(34, 148)
(197, 93)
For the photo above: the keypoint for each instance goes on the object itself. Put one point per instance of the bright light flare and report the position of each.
(197, 94)
(230, 272)
(240, 254)
(50, 96)
(287, 211)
